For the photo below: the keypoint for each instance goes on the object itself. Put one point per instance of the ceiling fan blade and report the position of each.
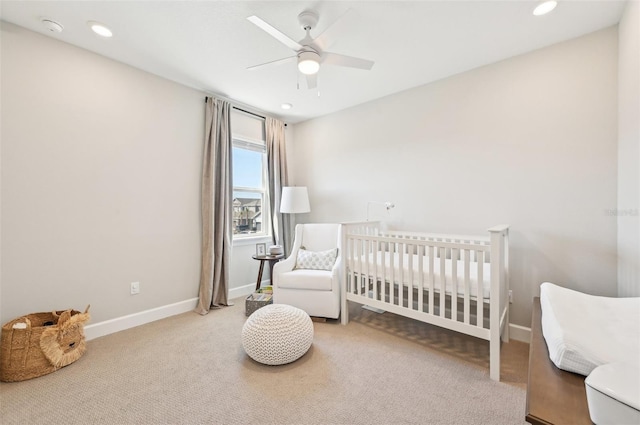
(275, 62)
(349, 61)
(332, 33)
(282, 38)
(312, 81)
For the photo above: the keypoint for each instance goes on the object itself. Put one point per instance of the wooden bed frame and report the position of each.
(554, 396)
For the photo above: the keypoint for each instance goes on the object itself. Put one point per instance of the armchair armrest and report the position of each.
(283, 266)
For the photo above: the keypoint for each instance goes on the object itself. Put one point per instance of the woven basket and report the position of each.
(21, 349)
(251, 305)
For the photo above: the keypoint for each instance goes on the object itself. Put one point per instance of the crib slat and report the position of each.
(359, 257)
(383, 260)
(401, 253)
(363, 267)
(367, 280)
(480, 289)
(366, 266)
(410, 277)
(454, 284)
(431, 279)
(421, 278)
(347, 262)
(359, 241)
(443, 282)
(374, 258)
(467, 305)
(355, 265)
(352, 264)
(392, 271)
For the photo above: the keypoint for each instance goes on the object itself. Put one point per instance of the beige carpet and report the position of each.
(191, 369)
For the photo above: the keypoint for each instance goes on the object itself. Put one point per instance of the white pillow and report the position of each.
(320, 260)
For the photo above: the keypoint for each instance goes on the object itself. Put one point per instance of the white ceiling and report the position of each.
(208, 45)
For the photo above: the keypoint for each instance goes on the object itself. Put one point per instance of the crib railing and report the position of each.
(401, 271)
(437, 237)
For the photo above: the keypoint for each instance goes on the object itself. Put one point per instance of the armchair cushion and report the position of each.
(314, 280)
(316, 260)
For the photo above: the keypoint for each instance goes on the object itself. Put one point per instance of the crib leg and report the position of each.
(344, 309)
(494, 360)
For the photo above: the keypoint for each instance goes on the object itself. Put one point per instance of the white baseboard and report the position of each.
(519, 333)
(118, 324)
(375, 310)
(242, 291)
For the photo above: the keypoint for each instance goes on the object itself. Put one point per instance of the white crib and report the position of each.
(455, 282)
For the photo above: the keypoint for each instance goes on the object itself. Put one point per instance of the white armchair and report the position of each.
(317, 292)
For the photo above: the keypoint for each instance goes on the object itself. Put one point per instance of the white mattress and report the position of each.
(585, 331)
(473, 272)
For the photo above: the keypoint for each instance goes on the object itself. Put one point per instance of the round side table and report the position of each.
(272, 259)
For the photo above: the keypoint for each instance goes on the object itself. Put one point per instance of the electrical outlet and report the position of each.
(510, 296)
(135, 288)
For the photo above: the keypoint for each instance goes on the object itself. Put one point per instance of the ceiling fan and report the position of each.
(311, 52)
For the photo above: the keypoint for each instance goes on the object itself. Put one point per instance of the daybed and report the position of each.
(455, 282)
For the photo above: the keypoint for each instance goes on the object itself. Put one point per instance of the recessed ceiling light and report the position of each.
(545, 7)
(286, 106)
(100, 29)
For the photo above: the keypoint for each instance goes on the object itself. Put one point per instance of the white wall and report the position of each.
(529, 141)
(629, 152)
(100, 182)
(101, 166)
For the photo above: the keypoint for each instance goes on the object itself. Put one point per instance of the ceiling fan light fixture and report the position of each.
(308, 63)
(545, 7)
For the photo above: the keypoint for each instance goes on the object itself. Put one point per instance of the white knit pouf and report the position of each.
(277, 334)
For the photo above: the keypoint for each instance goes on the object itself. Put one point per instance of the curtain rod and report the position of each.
(244, 110)
(248, 112)
(240, 109)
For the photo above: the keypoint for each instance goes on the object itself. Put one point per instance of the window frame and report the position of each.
(256, 145)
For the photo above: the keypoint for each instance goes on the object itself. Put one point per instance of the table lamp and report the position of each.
(294, 200)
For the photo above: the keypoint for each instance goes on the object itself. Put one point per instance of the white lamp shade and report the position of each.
(294, 200)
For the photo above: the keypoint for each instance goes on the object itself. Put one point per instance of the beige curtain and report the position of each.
(216, 209)
(278, 177)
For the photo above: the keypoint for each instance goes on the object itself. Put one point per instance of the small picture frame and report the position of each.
(261, 249)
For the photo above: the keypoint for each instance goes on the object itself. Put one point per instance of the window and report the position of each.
(250, 217)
